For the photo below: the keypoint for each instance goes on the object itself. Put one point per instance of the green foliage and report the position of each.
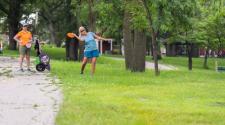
(183, 21)
(138, 18)
(211, 25)
(83, 15)
(174, 17)
(109, 18)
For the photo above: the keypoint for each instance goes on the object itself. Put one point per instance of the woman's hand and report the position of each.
(101, 38)
(108, 39)
(30, 41)
(75, 35)
(16, 39)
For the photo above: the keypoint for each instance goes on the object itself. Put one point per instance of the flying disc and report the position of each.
(28, 45)
(70, 35)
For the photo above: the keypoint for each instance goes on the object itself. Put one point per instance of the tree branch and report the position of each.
(54, 7)
(44, 16)
(149, 15)
(3, 9)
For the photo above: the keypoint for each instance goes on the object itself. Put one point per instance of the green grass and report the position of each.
(182, 62)
(115, 96)
(53, 52)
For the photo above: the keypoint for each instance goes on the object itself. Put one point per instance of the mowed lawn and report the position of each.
(115, 96)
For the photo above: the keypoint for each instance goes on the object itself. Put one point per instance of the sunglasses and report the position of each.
(82, 31)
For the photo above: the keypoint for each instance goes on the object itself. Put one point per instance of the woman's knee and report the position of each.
(84, 61)
(22, 56)
(94, 60)
(28, 56)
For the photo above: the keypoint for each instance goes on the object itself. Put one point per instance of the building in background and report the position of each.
(105, 47)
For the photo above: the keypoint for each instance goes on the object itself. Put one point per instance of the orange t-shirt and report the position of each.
(24, 37)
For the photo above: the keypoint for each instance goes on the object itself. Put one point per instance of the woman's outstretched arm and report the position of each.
(101, 38)
(75, 35)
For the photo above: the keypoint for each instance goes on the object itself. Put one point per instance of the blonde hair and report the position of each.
(81, 28)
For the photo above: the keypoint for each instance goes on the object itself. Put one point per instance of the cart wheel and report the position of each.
(48, 67)
(40, 67)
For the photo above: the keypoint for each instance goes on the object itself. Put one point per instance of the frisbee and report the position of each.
(28, 45)
(70, 35)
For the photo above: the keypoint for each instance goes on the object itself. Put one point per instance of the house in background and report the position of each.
(180, 49)
(105, 47)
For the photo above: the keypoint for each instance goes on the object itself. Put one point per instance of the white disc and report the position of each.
(28, 45)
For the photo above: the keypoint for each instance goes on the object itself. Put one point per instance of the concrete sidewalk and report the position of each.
(27, 98)
(150, 65)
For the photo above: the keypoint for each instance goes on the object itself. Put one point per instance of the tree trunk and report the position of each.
(127, 36)
(134, 46)
(159, 50)
(139, 51)
(154, 42)
(160, 15)
(72, 21)
(190, 49)
(220, 50)
(67, 47)
(81, 44)
(91, 16)
(155, 53)
(81, 51)
(53, 36)
(73, 49)
(206, 57)
(14, 16)
(76, 46)
(72, 26)
(151, 49)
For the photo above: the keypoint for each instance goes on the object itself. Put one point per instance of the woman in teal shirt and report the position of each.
(91, 50)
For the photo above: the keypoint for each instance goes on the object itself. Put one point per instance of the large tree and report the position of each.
(134, 38)
(13, 9)
(91, 16)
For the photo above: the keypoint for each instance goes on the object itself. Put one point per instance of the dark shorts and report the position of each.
(91, 54)
(24, 50)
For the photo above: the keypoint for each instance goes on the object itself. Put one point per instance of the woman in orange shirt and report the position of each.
(24, 38)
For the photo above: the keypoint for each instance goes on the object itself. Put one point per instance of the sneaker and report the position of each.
(21, 70)
(29, 70)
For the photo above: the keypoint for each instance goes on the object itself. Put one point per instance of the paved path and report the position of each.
(150, 65)
(27, 98)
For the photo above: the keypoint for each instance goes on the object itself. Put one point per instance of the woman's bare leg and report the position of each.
(21, 61)
(83, 65)
(93, 65)
(28, 60)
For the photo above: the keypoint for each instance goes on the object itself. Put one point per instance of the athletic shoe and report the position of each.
(21, 70)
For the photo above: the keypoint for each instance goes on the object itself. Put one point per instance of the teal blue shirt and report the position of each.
(90, 43)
